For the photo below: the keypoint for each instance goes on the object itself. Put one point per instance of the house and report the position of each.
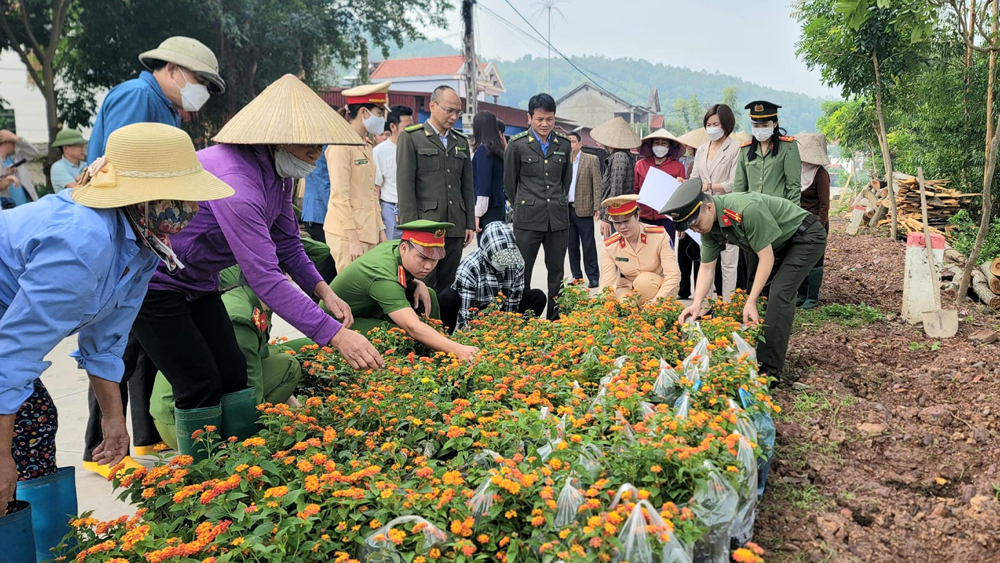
(427, 73)
(590, 105)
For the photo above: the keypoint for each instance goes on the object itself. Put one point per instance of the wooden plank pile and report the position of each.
(942, 204)
(985, 278)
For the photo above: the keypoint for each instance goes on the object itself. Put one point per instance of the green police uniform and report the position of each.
(376, 284)
(434, 182)
(779, 175)
(753, 222)
(536, 182)
(272, 373)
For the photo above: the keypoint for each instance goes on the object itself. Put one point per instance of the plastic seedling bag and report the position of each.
(430, 448)
(765, 438)
(646, 409)
(744, 347)
(543, 412)
(746, 512)
(667, 384)
(482, 501)
(683, 405)
(694, 331)
(589, 461)
(545, 451)
(626, 427)
(715, 505)
(568, 504)
(380, 546)
(485, 458)
(696, 365)
(637, 545)
(625, 488)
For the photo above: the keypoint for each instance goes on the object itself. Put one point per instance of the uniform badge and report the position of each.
(361, 161)
(726, 221)
(621, 258)
(439, 233)
(642, 238)
(402, 276)
(758, 108)
(732, 215)
(259, 319)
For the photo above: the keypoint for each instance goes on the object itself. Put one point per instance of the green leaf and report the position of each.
(512, 550)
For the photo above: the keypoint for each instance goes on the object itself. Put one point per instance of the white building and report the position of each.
(426, 74)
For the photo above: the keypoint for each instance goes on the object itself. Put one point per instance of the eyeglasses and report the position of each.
(451, 111)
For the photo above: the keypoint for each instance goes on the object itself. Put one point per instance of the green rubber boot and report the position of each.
(239, 414)
(189, 420)
(815, 280)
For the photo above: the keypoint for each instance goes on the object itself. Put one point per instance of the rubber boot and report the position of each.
(53, 504)
(239, 414)
(17, 541)
(189, 420)
(814, 280)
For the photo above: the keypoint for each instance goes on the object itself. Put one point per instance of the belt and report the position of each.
(809, 221)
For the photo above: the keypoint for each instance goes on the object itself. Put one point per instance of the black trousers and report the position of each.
(688, 260)
(581, 232)
(193, 344)
(315, 231)
(532, 301)
(136, 389)
(746, 270)
(327, 268)
(492, 214)
(443, 275)
(554, 243)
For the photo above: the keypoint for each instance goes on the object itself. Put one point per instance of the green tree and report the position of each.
(731, 97)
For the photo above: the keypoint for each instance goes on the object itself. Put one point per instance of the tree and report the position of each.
(43, 33)
(857, 44)
(731, 97)
(256, 41)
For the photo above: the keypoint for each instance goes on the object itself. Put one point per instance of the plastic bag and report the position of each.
(637, 547)
(589, 461)
(568, 504)
(667, 384)
(482, 500)
(764, 424)
(646, 409)
(485, 458)
(625, 488)
(626, 427)
(430, 448)
(715, 505)
(545, 451)
(744, 347)
(683, 405)
(746, 512)
(694, 331)
(379, 547)
(696, 364)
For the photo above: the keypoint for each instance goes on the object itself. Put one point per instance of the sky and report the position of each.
(751, 39)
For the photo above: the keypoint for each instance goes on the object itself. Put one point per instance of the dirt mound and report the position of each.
(887, 446)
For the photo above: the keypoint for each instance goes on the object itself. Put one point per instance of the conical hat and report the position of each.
(695, 138)
(288, 112)
(812, 148)
(615, 134)
(740, 136)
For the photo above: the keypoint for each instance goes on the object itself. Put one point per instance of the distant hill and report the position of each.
(631, 80)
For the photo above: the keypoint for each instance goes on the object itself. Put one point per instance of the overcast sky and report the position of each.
(712, 35)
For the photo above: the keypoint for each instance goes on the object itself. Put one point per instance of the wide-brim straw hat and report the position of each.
(615, 134)
(661, 134)
(288, 112)
(149, 162)
(695, 138)
(812, 148)
(190, 54)
(740, 136)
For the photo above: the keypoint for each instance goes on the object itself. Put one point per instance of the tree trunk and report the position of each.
(991, 163)
(968, 56)
(884, 142)
(51, 117)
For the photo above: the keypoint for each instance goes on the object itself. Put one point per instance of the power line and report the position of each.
(497, 16)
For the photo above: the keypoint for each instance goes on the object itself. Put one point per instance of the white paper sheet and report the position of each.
(657, 189)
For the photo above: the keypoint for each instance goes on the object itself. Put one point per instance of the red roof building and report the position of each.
(427, 73)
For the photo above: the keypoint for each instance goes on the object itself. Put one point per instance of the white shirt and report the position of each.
(572, 185)
(384, 155)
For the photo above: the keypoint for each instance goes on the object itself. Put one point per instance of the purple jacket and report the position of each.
(256, 229)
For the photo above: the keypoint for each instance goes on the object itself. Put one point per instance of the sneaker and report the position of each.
(593, 284)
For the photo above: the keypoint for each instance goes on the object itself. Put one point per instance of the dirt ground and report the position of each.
(888, 446)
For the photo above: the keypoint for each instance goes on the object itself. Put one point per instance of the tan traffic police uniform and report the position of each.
(354, 200)
(649, 268)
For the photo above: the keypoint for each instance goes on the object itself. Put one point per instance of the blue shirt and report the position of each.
(544, 144)
(316, 196)
(139, 100)
(66, 268)
(16, 193)
(65, 172)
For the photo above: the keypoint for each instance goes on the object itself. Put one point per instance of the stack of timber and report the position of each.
(985, 279)
(942, 204)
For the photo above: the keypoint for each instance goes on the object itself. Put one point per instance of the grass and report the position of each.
(851, 316)
(801, 496)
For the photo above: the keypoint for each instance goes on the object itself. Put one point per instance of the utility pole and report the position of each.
(471, 66)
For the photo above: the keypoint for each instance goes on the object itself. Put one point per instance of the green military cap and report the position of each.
(68, 137)
(426, 236)
(682, 207)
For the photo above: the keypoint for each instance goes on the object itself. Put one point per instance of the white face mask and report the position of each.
(193, 95)
(714, 133)
(287, 166)
(375, 124)
(660, 151)
(762, 134)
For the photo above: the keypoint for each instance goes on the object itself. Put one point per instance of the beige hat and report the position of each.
(740, 137)
(147, 162)
(190, 54)
(615, 134)
(695, 138)
(812, 148)
(660, 134)
(377, 94)
(647, 284)
(288, 112)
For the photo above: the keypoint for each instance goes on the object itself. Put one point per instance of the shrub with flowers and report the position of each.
(613, 434)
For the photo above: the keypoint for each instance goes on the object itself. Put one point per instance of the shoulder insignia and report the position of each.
(259, 319)
(562, 135)
(787, 139)
(519, 135)
(401, 276)
(747, 144)
(653, 229)
(415, 127)
(459, 133)
(732, 215)
(612, 239)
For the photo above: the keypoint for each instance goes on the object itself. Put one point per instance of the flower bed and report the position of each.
(611, 435)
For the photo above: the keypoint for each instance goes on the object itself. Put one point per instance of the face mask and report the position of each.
(375, 124)
(193, 95)
(660, 151)
(714, 133)
(762, 134)
(288, 166)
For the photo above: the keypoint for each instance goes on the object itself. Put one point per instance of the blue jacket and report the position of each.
(139, 100)
(66, 268)
(316, 196)
(487, 177)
